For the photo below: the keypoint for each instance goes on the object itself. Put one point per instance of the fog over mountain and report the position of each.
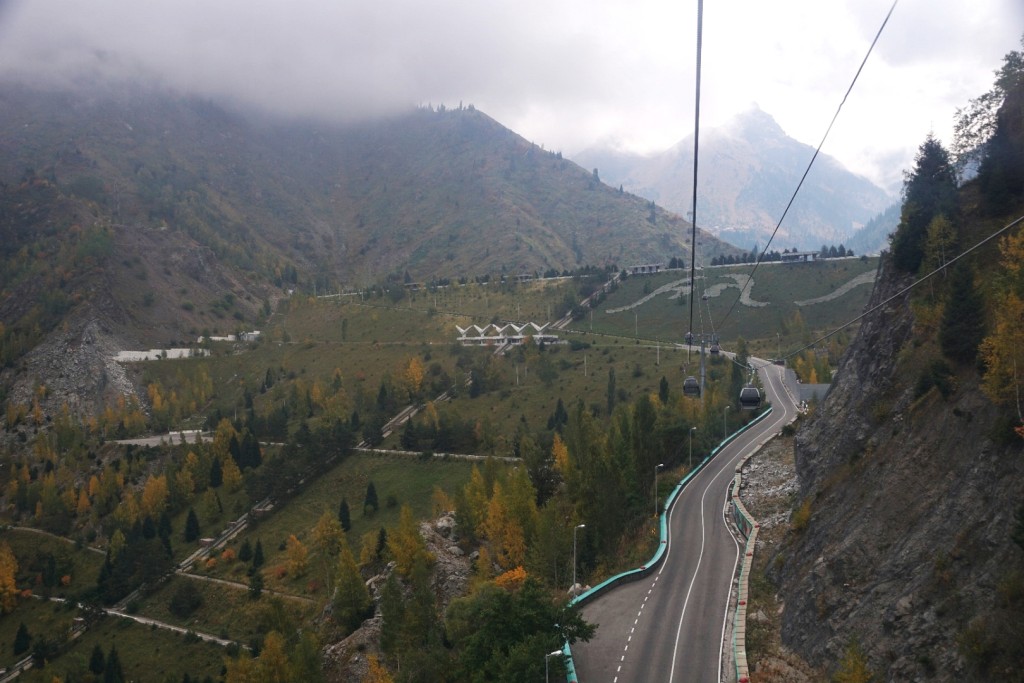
(748, 171)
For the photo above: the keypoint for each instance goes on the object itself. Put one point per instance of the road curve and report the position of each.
(669, 626)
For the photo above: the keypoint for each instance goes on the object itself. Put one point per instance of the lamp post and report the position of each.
(574, 530)
(656, 468)
(556, 653)
(725, 425)
(778, 338)
(692, 430)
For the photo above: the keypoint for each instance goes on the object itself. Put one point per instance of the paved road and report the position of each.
(669, 626)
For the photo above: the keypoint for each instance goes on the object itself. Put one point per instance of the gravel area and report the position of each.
(769, 491)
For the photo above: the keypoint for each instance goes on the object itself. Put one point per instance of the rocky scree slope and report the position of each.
(906, 549)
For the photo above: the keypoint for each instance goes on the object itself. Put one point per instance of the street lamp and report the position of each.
(556, 653)
(725, 426)
(575, 528)
(656, 468)
(778, 338)
(692, 430)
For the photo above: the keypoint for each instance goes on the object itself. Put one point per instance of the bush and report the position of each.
(801, 516)
(185, 600)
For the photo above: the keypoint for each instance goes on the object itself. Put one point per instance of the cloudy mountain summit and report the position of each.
(748, 170)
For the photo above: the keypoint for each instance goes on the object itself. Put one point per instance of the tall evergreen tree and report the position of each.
(22, 639)
(371, 498)
(216, 473)
(257, 555)
(928, 191)
(97, 662)
(963, 320)
(344, 516)
(191, 526)
(113, 672)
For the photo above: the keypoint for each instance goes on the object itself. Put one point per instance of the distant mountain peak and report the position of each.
(749, 168)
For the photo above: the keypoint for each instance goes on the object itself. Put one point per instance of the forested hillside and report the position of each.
(907, 552)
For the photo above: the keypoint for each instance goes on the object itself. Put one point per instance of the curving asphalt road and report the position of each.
(670, 625)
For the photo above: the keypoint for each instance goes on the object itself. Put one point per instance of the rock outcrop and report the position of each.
(907, 547)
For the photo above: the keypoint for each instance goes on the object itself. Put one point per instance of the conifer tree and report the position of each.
(257, 555)
(22, 639)
(192, 530)
(344, 516)
(351, 598)
(928, 191)
(963, 322)
(97, 662)
(371, 501)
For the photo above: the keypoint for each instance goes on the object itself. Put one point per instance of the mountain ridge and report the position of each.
(748, 171)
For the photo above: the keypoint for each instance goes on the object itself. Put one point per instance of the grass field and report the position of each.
(227, 611)
(666, 316)
(146, 654)
(406, 480)
(82, 566)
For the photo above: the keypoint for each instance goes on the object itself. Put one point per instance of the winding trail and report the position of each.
(862, 279)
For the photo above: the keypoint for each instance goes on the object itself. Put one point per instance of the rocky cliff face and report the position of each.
(911, 496)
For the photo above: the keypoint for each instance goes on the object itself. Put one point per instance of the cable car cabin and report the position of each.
(691, 387)
(750, 398)
(689, 338)
(715, 349)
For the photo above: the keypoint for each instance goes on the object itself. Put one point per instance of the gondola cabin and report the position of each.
(715, 349)
(691, 387)
(750, 398)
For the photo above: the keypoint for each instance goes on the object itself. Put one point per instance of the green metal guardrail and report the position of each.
(659, 554)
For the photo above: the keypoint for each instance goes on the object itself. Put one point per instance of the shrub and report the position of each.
(185, 600)
(801, 516)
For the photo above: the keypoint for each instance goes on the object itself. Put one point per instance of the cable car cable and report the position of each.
(811, 163)
(696, 147)
(903, 291)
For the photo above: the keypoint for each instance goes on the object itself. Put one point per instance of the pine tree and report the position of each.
(963, 321)
(351, 598)
(371, 501)
(255, 584)
(22, 639)
(928, 191)
(97, 662)
(257, 555)
(192, 530)
(113, 673)
(245, 552)
(216, 473)
(344, 516)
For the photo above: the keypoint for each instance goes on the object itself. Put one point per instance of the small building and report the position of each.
(800, 256)
(509, 333)
(645, 269)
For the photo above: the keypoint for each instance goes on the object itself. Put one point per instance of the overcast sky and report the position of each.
(567, 74)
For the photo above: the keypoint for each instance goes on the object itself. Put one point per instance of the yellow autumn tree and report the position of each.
(511, 580)
(560, 454)
(127, 512)
(1003, 350)
(414, 376)
(503, 531)
(406, 544)
(232, 476)
(298, 556)
(8, 574)
(328, 540)
(83, 506)
(375, 672)
(154, 496)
